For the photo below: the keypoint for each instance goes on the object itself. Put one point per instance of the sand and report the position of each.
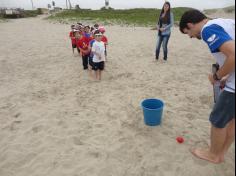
(55, 121)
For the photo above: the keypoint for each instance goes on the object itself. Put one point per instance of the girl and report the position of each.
(165, 22)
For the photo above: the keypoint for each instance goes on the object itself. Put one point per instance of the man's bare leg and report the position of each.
(216, 151)
(230, 137)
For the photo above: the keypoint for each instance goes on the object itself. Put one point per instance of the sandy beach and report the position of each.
(55, 121)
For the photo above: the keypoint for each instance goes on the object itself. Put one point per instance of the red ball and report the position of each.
(180, 140)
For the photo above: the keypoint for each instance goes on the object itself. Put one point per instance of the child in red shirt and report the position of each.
(72, 37)
(77, 36)
(104, 39)
(83, 46)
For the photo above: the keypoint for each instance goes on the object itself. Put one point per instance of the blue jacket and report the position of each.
(168, 27)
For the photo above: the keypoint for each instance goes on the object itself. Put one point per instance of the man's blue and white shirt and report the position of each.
(215, 33)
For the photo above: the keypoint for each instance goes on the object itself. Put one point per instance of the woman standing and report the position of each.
(165, 22)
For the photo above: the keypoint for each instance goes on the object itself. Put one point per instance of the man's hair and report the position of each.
(191, 16)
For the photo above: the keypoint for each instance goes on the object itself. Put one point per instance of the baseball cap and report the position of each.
(97, 33)
(102, 29)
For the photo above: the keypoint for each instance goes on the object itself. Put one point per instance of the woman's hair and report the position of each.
(167, 17)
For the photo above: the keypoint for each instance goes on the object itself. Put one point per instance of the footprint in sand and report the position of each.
(120, 76)
(206, 100)
(77, 141)
(17, 115)
(14, 125)
(190, 116)
(37, 129)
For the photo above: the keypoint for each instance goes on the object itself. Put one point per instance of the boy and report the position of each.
(219, 35)
(91, 64)
(96, 26)
(87, 33)
(82, 45)
(77, 36)
(72, 37)
(104, 40)
(98, 50)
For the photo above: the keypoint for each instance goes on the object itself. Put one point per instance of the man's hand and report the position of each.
(223, 82)
(211, 79)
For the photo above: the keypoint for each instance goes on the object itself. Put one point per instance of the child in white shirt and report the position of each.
(98, 50)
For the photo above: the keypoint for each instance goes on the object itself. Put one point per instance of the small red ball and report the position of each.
(180, 140)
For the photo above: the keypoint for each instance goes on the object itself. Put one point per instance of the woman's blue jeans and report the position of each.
(162, 40)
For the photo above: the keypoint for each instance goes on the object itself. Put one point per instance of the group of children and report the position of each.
(91, 44)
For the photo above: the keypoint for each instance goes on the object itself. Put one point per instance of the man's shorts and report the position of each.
(74, 46)
(98, 66)
(224, 110)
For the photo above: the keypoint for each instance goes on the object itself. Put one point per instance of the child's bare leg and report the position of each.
(99, 75)
(90, 71)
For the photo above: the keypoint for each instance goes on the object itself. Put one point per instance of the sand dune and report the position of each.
(55, 121)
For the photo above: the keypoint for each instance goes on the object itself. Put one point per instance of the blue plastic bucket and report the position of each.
(152, 111)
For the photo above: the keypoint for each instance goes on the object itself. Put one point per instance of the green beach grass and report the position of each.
(138, 17)
(230, 9)
(24, 14)
(31, 13)
(2, 19)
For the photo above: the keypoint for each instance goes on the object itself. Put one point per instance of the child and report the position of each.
(104, 39)
(98, 50)
(82, 45)
(96, 26)
(82, 29)
(77, 36)
(87, 33)
(72, 37)
(91, 64)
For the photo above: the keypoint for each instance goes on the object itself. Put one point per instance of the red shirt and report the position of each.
(83, 44)
(73, 39)
(88, 38)
(104, 39)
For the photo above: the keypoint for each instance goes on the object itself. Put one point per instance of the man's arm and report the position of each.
(228, 48)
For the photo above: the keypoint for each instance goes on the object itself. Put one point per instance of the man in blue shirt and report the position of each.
(219, 35)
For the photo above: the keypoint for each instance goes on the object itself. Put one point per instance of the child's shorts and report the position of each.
(91, 63)
(224, 110)
(98, 66)
(74, 46)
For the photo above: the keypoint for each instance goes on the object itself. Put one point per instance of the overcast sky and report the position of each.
(121, 4)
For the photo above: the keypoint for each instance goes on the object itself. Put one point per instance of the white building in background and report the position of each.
(107, 4)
